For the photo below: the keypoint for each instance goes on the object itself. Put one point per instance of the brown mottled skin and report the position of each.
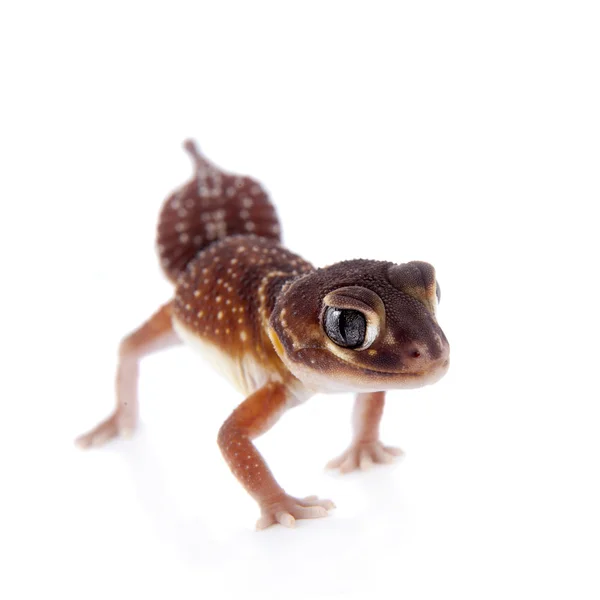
(280, 329)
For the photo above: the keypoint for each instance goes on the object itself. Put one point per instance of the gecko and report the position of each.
(279, 329)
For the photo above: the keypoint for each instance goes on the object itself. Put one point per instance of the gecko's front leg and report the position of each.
(366, 449)
(254, 416)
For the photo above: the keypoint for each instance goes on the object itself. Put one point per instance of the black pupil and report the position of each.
(345, 327)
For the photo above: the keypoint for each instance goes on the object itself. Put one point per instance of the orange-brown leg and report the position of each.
(365, 449)
(258, 413)
(155, 334)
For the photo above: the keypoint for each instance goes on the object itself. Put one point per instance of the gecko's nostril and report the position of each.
(415, 354)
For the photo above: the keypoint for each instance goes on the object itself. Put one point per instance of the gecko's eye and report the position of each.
(438, 291)
(345, 327)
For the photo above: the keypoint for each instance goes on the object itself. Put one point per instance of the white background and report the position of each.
(461, 133)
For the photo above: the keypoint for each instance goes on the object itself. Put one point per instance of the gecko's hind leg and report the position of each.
(155, 334)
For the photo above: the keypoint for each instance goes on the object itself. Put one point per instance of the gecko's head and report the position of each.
(362, 325)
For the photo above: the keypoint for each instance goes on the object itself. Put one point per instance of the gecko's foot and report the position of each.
(363, 455)
(120, 423)
(286, 509)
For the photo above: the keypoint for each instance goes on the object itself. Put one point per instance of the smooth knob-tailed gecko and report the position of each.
(279, 329)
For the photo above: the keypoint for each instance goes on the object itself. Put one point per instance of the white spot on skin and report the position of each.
(220, 315)
(243, 336)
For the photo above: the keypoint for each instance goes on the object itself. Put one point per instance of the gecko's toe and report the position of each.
(287, 509)
(316, 501)
(363, 456)
(114, 426)
(285, 519)
(264, 522)
(365, 461)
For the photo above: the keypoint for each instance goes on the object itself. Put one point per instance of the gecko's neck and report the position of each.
(271, 290)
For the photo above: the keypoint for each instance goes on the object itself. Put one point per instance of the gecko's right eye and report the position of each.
(345, 327)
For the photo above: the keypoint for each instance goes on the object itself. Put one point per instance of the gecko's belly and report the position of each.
(245, 373)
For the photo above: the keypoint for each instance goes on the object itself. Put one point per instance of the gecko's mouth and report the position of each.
(393, 373)
(415, 374)
(334, 374)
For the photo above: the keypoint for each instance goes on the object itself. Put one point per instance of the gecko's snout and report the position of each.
(418, 356)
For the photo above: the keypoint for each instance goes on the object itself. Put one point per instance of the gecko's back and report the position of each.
(223, 302)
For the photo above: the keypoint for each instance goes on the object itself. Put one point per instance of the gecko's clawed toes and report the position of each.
(316, 501)
(363, 455)
(116, 425)
(287, 509)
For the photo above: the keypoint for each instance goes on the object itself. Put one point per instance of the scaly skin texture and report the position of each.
(279, 329)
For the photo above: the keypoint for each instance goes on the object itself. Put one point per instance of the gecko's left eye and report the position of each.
(345, 327)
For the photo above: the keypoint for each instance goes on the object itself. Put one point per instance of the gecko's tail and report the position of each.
(211, 206)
